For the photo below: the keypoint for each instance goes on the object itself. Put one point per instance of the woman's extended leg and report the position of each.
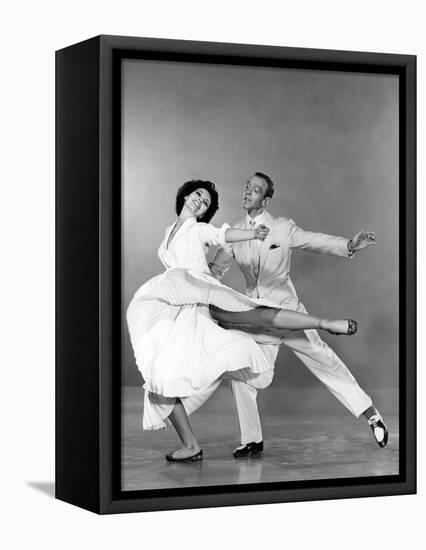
(180, 421)
(266, 318)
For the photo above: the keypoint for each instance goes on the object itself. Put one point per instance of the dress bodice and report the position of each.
(190, 244)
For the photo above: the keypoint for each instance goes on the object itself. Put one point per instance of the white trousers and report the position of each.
(320, 360)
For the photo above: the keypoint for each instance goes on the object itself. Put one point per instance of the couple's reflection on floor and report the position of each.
(241, 471)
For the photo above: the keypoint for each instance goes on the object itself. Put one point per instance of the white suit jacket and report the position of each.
(273, 281)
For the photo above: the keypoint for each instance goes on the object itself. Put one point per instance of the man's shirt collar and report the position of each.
(258, 220)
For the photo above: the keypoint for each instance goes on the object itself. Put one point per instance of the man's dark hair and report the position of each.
(189, 187)
(269, 183)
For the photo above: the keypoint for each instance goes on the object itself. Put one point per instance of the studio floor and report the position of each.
(301, 443)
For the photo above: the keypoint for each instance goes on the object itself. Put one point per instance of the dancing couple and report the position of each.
(189, 331)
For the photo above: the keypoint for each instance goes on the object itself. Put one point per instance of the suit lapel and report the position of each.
(265, 245)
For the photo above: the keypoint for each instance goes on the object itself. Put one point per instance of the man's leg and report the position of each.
(323, 362)
(248, 415)
(245, 396)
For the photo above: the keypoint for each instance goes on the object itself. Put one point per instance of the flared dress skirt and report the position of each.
(179, 349)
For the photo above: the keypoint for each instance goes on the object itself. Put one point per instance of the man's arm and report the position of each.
(221, 262)
(329, 244)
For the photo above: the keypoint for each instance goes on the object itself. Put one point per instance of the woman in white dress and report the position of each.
(175, 321)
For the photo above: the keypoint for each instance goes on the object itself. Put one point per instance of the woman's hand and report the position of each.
(261, 232)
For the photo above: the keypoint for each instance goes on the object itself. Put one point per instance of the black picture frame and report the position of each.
(88, 278)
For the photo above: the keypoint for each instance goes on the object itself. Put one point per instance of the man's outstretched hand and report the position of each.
(361, 240)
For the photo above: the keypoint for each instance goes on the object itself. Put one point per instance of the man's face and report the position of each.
(254, 193)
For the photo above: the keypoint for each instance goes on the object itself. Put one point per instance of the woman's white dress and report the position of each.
(179, 349)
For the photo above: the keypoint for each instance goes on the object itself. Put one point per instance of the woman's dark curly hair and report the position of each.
(191, 186)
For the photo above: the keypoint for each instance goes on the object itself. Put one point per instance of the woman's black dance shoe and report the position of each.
(193, 458)
(352, 328)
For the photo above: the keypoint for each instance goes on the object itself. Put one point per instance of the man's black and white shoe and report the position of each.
(378, 427)
(249, 449)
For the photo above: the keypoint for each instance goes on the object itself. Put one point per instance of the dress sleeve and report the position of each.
(211, 235)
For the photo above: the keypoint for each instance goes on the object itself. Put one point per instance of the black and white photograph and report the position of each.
(260, 283)
(213, 264)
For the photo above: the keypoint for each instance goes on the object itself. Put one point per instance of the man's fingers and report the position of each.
(364, 235)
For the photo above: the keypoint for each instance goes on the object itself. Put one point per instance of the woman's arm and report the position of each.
(234, 235)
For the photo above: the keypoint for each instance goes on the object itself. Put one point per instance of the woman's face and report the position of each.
(198, 202)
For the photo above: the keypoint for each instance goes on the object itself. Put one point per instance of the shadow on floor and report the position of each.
(46, 487)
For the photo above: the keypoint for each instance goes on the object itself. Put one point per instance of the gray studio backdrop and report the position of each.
(329, 141)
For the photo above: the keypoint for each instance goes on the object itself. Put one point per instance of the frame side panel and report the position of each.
(410, 278)
(77, 277)
(110, 280)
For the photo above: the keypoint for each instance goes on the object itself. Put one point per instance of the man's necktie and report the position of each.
(254, 252)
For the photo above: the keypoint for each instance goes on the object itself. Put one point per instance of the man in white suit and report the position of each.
(266, 269)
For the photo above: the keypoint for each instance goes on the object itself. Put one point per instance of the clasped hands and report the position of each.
(261, 232)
